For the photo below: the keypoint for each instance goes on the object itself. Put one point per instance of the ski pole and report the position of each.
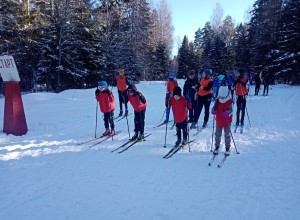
(96, 118)
(248, 116)
(163, 114)
(212, 134)
(234, 142)
(166, 134)
(188, 136)
(127, 126)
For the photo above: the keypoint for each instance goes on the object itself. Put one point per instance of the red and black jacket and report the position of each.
(179, 108)
(137, 100)
(106, 100)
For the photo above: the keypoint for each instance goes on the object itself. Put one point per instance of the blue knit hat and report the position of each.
(207, 72)
(172, 75)
(103, 84)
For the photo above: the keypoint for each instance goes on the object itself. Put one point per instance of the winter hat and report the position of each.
(191, 73)
(103, 84)
(223, 94)
(132, 88)
(171, 75)
(221, 77)
(122, 72)
(177, 91)
(207, 72)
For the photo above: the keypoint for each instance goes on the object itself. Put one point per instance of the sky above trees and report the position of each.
(189, 15)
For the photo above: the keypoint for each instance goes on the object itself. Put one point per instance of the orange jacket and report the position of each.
(106, 101)
(240, 86)
(137, 101)
(171, 85)
(121, 83)
(179, 108)
(205, 83)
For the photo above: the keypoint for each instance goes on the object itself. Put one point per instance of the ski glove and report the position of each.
(225, 114)
(187, 98)
(214, 112)
(97, 92)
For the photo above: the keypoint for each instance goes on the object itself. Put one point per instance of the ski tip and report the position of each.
(219, 166)
(209, 164)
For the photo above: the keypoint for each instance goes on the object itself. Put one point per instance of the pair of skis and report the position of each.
(175, 149)
(162, 124)
(129, 144)
(101, 139)
(200, 130)
(119, 118)
(221, 162)
(241, 128)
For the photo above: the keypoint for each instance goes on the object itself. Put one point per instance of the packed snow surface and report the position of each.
(45, 174)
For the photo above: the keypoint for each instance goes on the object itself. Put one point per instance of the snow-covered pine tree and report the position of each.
(241, 47)
(286, 59)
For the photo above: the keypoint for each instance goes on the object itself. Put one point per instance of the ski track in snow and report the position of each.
(46, 175)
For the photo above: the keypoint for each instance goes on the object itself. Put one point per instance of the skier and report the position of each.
(139, 104)
(107, 105)
(257, 83)
(171, 84)
(241, 91)
(266, 83)
(223, 115)
(230, 79)
(179, 107)
(122, 82)
(215, 85)
(190, 95)
(204, 88)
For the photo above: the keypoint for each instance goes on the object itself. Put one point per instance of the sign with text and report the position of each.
(8, 69)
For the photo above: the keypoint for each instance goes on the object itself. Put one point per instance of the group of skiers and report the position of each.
(127, 93)
(186, 105)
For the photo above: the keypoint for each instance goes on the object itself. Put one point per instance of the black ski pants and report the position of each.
(109, 120)
(241, 107)
(139, 121)
(122, 100)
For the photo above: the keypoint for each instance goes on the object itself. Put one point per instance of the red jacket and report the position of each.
(179, 108)
(106, 101)
(171, 85)
(137, 101)
(220, 118)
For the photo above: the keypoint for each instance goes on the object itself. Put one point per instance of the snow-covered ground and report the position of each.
(46, 175)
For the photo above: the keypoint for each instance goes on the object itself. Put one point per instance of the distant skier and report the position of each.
(190, 94)
(266, 83)
(139, 104)
(241, 91)
(180, 109)
(222, 110)
(107, 105)
(204, 88)
(122, 82)
(170, 84)
(230, 79)
(216, 84)
(257, 83)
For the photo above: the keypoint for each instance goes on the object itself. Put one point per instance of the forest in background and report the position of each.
(65, 44)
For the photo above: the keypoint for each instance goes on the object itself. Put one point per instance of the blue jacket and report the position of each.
(230, 80)
(216, 82)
